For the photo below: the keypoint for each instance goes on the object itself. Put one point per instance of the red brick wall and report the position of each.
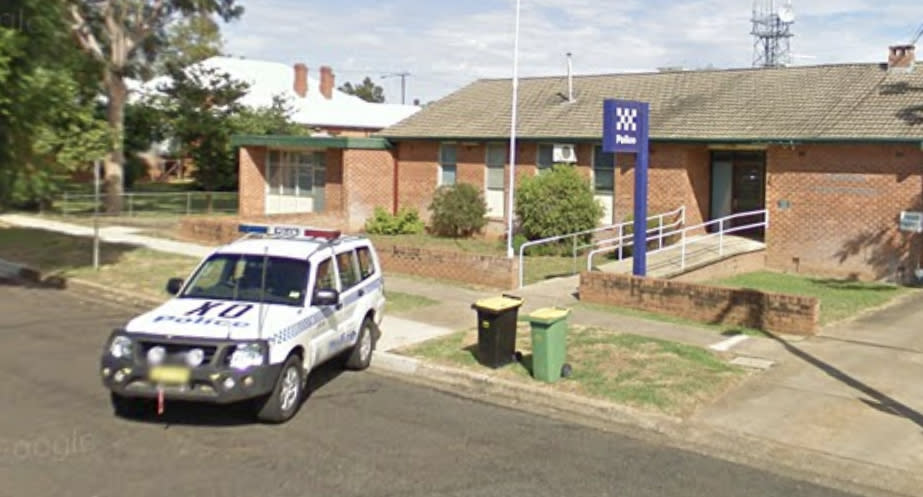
(369, 181)
(216, 231)
(251, 182)
(333, 186)
(725, 268)
(845, 201)
(485, 270)
(771, 312)
(418, 169)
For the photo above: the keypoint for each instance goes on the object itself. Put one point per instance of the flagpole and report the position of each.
(512, 179)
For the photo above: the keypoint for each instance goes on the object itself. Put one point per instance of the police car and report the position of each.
(253, 319)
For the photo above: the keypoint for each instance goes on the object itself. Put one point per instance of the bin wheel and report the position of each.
(566, 371)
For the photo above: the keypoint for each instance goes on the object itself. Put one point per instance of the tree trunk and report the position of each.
(114, 164)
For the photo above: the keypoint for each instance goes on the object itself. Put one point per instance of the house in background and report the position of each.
(833, 152)
(316, 104)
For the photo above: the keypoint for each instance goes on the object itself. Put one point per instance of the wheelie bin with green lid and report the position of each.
(549, 344)
(497, 318)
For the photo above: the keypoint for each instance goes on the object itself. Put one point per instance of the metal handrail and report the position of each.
(681, 212)
(684, 242)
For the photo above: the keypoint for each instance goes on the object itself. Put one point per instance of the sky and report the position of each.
(445, 45)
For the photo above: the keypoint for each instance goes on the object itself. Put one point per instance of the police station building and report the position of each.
(834, 153)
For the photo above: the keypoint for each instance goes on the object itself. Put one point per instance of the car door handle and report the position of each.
(361, 293)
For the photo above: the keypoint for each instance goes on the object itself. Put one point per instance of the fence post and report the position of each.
(575, 254)
(721, 238)
(130, 204)
(682, 260)
(660, 233)
(621, 240)
(188, 202)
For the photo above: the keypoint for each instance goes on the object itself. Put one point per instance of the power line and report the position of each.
(403, 76)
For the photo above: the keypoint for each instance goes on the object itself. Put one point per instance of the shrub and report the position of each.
(406, 222)
(458, 210)
(557, 203)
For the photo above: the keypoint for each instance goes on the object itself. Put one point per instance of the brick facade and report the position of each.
(368, 177)
(485, 270)
(251, 182)
(835, 208)
(776, 313)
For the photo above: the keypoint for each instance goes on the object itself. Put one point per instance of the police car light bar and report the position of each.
(281, 231)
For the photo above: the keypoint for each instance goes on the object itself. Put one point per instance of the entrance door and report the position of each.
(738, 184)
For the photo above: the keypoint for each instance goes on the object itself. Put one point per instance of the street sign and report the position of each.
(912, 222)
(626, 130)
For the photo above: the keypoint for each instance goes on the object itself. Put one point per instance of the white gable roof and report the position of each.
(267, 79)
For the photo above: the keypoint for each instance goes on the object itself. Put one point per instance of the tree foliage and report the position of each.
(124, 36)
(48, 125)
(458, 210)
(556, 203)
(367, 90)
(190, 40)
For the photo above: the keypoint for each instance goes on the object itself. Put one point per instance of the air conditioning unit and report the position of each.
(564, 153)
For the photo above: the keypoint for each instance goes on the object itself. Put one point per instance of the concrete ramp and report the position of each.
(700, 251)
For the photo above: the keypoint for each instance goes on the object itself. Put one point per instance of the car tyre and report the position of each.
(287, 394)
(361, 355)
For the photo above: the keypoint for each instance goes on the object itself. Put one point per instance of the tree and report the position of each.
(190, 40)
(368, 91)
(120, 34)
(48, 124)
(556, 203)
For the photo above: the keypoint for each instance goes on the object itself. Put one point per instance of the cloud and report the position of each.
(445, 45)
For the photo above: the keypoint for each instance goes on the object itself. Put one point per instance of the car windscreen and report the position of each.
(244, 277)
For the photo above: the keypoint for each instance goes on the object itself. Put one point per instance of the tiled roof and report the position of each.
(831, 102)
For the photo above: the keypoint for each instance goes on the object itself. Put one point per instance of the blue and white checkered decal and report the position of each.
(292, 331)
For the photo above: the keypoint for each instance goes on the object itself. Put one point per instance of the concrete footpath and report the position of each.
(847, 404)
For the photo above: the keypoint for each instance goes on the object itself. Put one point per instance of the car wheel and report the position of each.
(128, 407)
(286, 396)
(361, 355)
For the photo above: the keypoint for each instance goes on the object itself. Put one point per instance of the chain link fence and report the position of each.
(150, 204)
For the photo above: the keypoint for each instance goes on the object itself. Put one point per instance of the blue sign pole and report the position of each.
(626, 129)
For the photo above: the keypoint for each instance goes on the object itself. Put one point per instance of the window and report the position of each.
(250, 278)
(326, 278)
(366, 267)
(295, 173)
(545, 158)
(496, 160)
(349, 275)
(603, 171)
(447, 164)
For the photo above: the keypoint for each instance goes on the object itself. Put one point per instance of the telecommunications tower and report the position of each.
(772, 32)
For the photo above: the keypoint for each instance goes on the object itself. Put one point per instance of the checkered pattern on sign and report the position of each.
(628, 119)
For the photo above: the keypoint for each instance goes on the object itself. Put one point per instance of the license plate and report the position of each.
(173, 375)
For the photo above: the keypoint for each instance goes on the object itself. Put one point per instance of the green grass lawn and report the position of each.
(652, 374)
(839, 299)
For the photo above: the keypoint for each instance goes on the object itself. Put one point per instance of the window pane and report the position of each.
(366, 268)
(447, 154)
(348, 274)
(496, 154)
(325, 276)
(495, 176)
(289, 178)
(305, 181)
(545, 156)
(603, 160)
(603, 180)
(448, 175)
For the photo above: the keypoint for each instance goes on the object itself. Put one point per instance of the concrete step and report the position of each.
(700, 250)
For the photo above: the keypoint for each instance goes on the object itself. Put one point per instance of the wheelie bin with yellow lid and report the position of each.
(497, 318)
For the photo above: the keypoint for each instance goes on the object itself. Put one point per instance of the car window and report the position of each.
(250, 278)
(326, 278)
(366, 267)
(349, 274)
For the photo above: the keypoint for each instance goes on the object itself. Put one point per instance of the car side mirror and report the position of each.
(326, 296)
(174, 285)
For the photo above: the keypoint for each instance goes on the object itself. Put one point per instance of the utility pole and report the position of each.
(403, 76)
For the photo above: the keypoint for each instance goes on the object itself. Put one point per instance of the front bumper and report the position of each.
(130, 377)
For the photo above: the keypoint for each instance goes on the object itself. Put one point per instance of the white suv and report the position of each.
(252, 321)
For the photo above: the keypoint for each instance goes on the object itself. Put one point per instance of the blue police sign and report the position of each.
(625, 130)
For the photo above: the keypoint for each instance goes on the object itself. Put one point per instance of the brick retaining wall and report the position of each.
(776, 313)
(486, 270)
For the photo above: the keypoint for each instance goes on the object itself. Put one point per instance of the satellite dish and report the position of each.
(786, 13)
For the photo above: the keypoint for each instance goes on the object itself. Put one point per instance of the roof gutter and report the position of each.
(716, 140)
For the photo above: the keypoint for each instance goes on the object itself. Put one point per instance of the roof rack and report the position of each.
(289, 232)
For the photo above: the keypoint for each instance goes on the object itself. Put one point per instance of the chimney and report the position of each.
(301, 80)
(901, 58)
(326, 82)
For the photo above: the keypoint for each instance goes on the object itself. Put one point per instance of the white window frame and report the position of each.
(593, 170)
(502, 166)
(290, 160)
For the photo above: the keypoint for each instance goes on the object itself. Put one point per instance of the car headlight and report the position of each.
(120, 347)
(156, 355)
(195, 357)
(247, 355)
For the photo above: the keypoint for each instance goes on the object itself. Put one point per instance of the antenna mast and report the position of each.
(772, 33)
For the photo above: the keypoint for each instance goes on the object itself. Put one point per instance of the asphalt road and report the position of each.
(357, 434)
